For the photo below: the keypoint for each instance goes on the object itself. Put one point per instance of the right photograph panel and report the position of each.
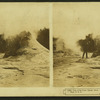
(76, 44)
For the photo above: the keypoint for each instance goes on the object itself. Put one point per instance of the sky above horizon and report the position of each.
(17, 17)
(73, 21)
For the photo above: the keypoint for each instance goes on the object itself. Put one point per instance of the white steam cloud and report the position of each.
(17, 17)
(73, 21)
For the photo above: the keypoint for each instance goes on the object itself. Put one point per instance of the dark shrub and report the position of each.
(54, 43)
(97, 51)
(13, 44)
(2, 43)
(43, 37)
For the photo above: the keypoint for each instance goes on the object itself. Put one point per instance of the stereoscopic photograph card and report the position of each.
(49, 49)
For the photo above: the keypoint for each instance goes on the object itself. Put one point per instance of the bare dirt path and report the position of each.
(76, 72)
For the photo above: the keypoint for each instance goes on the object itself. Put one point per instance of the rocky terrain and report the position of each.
(28, 70)
(73, 71)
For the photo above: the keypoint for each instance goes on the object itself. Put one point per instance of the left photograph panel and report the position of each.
(24, 45)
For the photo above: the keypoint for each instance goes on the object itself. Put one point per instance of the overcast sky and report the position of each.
(72, 21)
(16, 17)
